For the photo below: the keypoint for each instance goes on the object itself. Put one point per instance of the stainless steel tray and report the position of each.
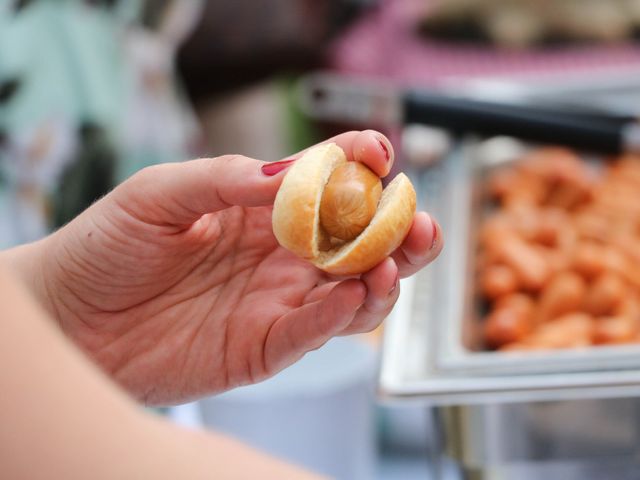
(615, 90)
(424, 355)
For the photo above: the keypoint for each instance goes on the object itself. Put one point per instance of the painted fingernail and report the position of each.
(271, 169)
(385, 149)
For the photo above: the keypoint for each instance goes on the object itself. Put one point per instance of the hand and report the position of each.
(176, 286)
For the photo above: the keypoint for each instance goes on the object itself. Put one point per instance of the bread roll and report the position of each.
(297, 225)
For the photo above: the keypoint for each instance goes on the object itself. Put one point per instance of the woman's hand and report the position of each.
(176, 286)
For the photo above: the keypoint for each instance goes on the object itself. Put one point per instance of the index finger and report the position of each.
(368, 147)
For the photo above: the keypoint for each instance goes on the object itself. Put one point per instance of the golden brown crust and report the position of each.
(295, 210)
(296, 216)
(385, 233)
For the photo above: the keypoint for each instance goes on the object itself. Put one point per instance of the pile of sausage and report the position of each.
(559, 258)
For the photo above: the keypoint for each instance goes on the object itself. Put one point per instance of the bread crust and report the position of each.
(296, 217)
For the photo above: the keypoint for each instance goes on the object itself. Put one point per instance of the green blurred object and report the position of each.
(301, 130)
(87, 98)
(67, 58)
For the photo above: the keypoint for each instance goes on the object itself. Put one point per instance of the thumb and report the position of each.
(180, 193)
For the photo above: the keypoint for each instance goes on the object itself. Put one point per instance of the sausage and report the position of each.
(485, 259)
(498, 280)
(521, 346)
(569, 331)
(506, 325)
(627, 244)
(493, 230)
(554, 229)
(622, 265)
(565, 293)
(512, 187)
(626, 168)
(629, 307)
(590, 226)
(560, 261)
(589, 260)
(552, 163)
(616, 200)
(617, 221)
(615, 330)
(527, 191)
(529, 265)
(518, 301)
(605, 294)
(569, 195)
(502, 182)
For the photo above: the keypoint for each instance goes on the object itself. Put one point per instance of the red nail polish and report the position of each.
(385, 149)
(274, 168)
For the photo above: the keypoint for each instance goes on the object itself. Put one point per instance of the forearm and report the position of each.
(185, 454)
(61, 418)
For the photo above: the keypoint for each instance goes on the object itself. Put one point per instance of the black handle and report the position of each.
(590, 132)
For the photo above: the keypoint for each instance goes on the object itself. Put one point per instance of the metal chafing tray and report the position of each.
(431, 351)
(564, 415)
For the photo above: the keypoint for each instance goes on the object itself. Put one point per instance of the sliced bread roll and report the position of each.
(296, 216)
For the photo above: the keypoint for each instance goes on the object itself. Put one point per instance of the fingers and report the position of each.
(369, 147)
(180, 193)
(312, 325)
(348, 307)
(383, 288)
(319, 292)
(421, 246)
(344, 308)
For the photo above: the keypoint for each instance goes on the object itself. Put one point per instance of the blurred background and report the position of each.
(93, 90)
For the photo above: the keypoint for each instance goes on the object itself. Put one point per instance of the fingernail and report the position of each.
(434, 235)
(271, 169)
(385, 149)
(395, 284)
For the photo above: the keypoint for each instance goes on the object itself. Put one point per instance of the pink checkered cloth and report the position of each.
(384, 44)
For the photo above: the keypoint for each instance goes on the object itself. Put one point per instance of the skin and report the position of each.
(63, 419)
(175, 285)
